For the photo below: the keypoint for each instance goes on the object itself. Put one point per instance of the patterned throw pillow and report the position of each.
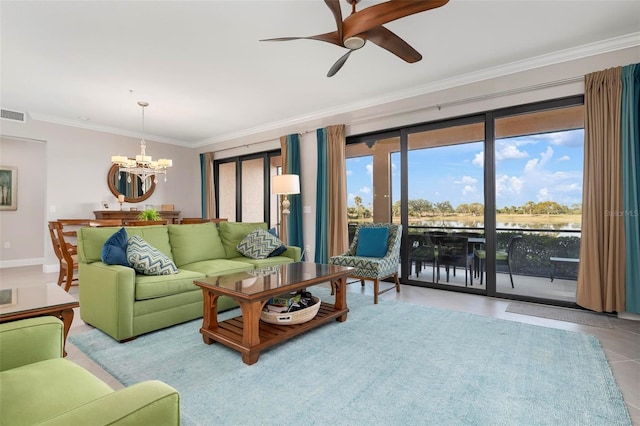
(258, 244)
(148, 260)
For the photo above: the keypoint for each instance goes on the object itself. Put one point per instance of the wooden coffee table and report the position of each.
(36, 301)
(246, 333)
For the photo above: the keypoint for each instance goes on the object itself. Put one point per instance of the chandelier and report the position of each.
(142, 165)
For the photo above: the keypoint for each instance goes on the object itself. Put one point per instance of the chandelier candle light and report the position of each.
(142, 166)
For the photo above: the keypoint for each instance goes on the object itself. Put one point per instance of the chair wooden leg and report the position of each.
(362, 283)
(375, 291)
(61, 275)
(69, 279)
(397, 279)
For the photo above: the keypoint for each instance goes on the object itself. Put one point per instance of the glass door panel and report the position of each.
(252, 190)
(445, 204)
(369, 181)
(539, 168)
(227, 191)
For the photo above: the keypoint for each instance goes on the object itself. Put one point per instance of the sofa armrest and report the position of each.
(147, 403)
(30, 340)
(107, 295)
(293, 252)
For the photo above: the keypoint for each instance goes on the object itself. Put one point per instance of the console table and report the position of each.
(170, 216)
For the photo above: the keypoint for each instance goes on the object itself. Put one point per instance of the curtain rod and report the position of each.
(449, 104)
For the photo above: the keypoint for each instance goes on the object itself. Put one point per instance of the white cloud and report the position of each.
(468, 189)
(508, 185)
(478, 160)
(369, 168)
(349, 172)
(365, 190)
(536, 164)
(509, 152)
(543, 194)
(467, 180)
(564, 158)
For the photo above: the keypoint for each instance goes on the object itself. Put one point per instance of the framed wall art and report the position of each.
(8, 188)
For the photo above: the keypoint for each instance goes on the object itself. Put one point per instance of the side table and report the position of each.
(36, 301)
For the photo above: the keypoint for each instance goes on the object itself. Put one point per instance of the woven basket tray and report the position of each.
(291, 318)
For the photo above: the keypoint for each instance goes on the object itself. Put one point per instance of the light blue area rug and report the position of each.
(391, 363)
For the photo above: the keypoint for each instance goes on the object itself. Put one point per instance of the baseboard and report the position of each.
(629, 316)
(21, 262)
(48, 269)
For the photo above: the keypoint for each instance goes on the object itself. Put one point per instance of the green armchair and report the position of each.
(39, 387)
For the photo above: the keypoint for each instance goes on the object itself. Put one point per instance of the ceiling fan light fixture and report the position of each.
(354, 43)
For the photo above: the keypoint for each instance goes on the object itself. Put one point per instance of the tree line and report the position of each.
(425, 208)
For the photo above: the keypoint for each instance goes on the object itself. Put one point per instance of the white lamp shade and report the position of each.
(285, 184)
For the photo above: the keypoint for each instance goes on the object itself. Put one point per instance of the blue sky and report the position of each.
(542, 167)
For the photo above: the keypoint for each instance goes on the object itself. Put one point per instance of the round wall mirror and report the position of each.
(133, 191)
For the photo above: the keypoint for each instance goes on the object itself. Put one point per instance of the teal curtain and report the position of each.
(294, 221)
(322, 188)
(203, 185)
(631, 182)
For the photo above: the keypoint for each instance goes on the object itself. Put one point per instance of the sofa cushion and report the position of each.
(148, 260)
(91, 240)
(231, 233)
(193, 243)
(220, 266)
(153, 286)
(114, 250)
(62, 385)
(258, 244)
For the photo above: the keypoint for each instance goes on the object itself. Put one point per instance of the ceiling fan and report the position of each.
(367, 25)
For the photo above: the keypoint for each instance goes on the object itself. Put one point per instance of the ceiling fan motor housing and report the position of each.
(354, 43)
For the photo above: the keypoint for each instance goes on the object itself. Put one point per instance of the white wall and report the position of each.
(549, 82)
(29, 158)
(77, 161)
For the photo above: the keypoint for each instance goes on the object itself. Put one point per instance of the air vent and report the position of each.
(13, 115)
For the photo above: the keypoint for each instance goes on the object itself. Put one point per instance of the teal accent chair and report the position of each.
(39, 387)
(374, 268)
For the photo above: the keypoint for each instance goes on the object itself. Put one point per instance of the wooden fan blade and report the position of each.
(390, 41)
(334, 5)
(380, 14)
(339, 63)
(331, 37)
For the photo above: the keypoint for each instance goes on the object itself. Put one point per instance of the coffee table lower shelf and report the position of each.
(230, 332)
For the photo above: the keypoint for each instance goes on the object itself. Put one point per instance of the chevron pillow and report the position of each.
(148, 260)
(258, 244)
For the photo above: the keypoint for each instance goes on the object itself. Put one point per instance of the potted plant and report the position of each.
(149, 214)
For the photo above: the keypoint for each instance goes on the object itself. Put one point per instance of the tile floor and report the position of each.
(621, 343)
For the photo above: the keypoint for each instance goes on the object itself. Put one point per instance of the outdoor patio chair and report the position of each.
(374, 254)
(453, 251)
(503, 257)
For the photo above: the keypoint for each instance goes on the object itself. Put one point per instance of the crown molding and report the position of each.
(106, 129)
(592, 49)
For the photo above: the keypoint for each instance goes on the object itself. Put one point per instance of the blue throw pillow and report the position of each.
(372, 242)
(114, 250)
(279, 250)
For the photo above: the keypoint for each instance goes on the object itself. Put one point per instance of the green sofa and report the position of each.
(124, 304)
(39, 387)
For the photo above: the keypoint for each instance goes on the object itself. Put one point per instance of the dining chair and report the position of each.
(373, 258)
(453, 251)
(422, 251)
(503, 257)
(66, 253)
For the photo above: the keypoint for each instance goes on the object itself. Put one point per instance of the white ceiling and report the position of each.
(207, 77)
